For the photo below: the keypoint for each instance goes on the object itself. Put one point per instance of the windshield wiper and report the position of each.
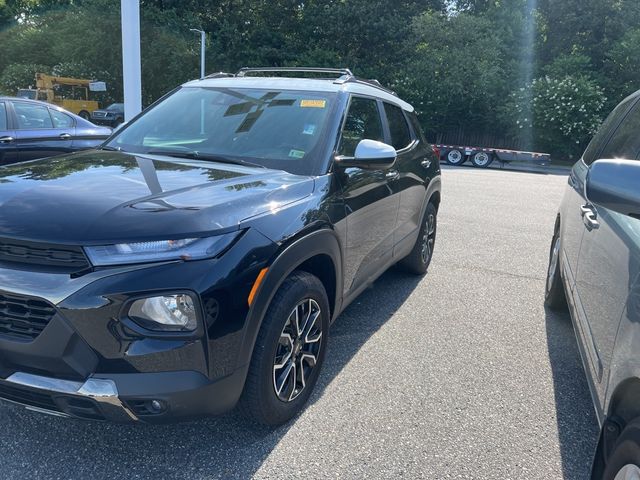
(209, 157)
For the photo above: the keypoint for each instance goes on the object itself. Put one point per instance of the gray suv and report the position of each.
(594, 268)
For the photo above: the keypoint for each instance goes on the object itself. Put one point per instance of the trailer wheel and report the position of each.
(455, 157)
(481, 159)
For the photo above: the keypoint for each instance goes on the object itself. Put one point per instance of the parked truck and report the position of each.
(482, 157)
(76, 98)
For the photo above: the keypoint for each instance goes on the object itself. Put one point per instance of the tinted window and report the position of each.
(31, 116)
(363, 122)
(3, 116)
(61, 120)
(598, 141)
(625, 142)
(284, 130)
(400, 136)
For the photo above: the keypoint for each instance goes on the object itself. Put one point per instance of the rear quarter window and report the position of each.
(398, 127)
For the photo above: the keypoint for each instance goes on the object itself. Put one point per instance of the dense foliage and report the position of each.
(542, 71)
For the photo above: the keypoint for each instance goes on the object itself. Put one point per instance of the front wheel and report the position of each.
(419, 259)
(289, 351)
(624, 461)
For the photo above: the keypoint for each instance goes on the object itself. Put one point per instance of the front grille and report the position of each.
(98, 114)
(28, 397)
(24, 318)
(44, 254)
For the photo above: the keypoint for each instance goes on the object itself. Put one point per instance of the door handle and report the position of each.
(392, 174)
(589, 217)
(6, 139)
(65, 136)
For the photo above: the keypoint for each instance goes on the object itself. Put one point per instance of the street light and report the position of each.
(203, 37)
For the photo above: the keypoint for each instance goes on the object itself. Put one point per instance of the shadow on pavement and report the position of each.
(516, 168)
(577, 424)
(38, 446)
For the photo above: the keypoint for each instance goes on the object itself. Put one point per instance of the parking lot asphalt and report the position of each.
(460, 374)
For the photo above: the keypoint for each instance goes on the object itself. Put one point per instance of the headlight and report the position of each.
(166, 313)
(143, 252)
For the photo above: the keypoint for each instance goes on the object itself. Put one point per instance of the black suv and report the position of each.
(594, 267)
(197, 259)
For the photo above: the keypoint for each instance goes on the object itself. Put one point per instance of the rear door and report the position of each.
(371, 207)
(8, 151)
(609, 260)
(409, 181)
(36, 134)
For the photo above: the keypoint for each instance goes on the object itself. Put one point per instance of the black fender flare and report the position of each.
(319, 242)
(435, 186)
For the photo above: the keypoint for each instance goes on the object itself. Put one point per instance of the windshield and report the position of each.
(274, 129)
(116, 106)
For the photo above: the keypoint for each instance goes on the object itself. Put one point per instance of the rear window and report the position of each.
(400, 135)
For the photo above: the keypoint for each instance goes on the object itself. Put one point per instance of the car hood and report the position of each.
(100, 196)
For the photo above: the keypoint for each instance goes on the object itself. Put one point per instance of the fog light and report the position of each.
(167, 313)
(156, 406)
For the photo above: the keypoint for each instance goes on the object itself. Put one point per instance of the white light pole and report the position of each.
(203, 38)
(131, 70)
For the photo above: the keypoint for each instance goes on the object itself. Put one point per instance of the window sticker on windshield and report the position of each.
(293, 153)
(313, 103)
(309, 129)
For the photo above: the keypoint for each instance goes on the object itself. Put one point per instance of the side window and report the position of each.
(400, 135)
(61, 120)
(3, 116)
(594, 148)
(31, 116)
(625, 142)
(363, 122)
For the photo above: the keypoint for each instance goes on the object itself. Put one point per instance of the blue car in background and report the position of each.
(30, 129)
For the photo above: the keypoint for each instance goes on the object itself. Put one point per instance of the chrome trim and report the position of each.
(103, 391)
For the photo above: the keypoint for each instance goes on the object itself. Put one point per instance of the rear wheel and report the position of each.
(481, 159)
(417, 262)
(289, 351)
(84, 114)
(455, 157)
(554, 297)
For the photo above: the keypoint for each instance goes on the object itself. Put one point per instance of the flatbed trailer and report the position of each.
(482, 157)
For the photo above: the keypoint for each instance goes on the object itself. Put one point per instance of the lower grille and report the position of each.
(28, 397)
(24, 318)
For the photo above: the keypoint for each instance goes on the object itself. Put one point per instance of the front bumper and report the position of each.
(89, 361)
(149, 398)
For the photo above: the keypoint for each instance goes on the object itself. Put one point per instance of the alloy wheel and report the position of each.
(553, 263)
(428, 238)
(297, 351)
(628, 472)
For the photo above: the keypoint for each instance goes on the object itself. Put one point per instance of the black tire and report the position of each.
(455, 157)
(481, 159)
(419, 259)
(84, 114)
(554, 296)
(260, 401)
(625, 453)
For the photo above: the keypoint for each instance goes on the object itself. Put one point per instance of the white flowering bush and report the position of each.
(561, 114)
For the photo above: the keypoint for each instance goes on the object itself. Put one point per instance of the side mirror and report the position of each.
(614, 184)
(371, 155)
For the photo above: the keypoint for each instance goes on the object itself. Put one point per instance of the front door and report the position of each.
(608, 264)
(371, 207)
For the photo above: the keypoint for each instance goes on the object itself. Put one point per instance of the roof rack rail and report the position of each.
(219, 75)
(372, 83)
(335, 71)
